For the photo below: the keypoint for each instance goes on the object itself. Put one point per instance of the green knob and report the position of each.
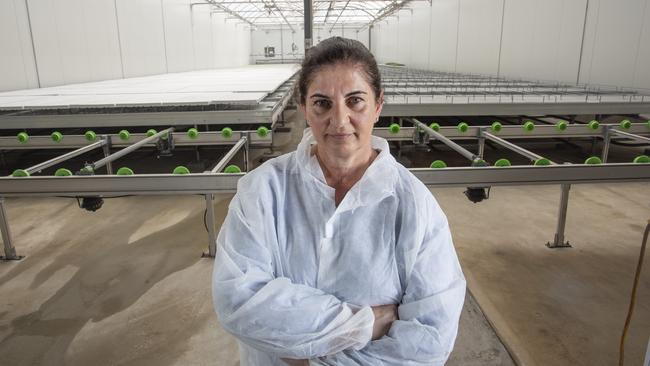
(561, 126)
(57, 136)
(262, 131)
(593, 125)
(642, 159)
(529, 126)
(232, 169)
(90, 135)
(593, 160)
(626, 124)
(502, 162)
(479, 162)
(192, 133)
(62, 172)
(438, 164)
(226, 132)
(394, 128)
(23, 137)
(462, 127)
(20, 173)
(542, 162)
(496, 126)
(124, 171)
(434, 126)
(151, 132)
(181, 170)
(648, 123)
(124, 135)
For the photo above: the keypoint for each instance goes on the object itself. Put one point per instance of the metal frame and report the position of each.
(267, 111)
(210, 183)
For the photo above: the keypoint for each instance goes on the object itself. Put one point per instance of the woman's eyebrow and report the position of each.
(318, 95)
(355, 93)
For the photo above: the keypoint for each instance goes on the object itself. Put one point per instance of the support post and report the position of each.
(481, 144)
(10, 250)
(107, 153)
(558, 241)
(209, 218)
(607, 136)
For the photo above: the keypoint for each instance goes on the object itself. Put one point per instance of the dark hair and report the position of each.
(333, 51)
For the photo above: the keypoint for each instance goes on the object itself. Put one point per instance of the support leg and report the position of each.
(606, 139)
(107, 152)
(209, 218)
(10, 250)
(559, 242)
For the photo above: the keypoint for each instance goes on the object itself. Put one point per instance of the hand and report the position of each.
(293, 362)
(385, 315)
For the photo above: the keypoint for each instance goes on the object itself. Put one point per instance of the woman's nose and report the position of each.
(341, 116)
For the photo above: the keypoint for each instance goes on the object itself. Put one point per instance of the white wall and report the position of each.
(87, 40)
(17, 67)
(573, 41)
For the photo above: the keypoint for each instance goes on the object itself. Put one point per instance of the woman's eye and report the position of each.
(322, 103)
(355, 101)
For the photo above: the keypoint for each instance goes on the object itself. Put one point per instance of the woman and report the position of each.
(335, 254)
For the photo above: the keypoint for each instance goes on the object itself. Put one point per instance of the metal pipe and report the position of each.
(229, 155)
(309, 24)
(606, 140)
(558, 241)
(209, 218)
(630, 135)
(46, 164)
(10, 250)
(129, 149)
(509, 145)
(438, 136)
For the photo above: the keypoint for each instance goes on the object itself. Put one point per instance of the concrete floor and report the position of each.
(126, 285)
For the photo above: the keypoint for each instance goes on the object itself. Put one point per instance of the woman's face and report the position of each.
(341, 109)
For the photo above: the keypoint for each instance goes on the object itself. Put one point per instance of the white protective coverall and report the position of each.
(295, 276)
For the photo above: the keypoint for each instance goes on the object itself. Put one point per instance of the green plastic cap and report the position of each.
(529, 126)
(262, 131)
(22, 137)
(124, 135)
(434, 126)
(124, 171)
(561, 126)
(90, 135)
(57, 136)
(20, 173)
(462, 127)
(542, 162)
(151, 132)
(394, 128)
(232, 169)
(593, 125)
(496, 126)
(626, 124)
(192, 133)
(62, 172)
(502, 162)
(181, 170)
(226, 132)
(593, 160)
(438, 164)
(479, 162)
(642, 159)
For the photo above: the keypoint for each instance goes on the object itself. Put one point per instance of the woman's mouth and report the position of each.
(340, 136)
